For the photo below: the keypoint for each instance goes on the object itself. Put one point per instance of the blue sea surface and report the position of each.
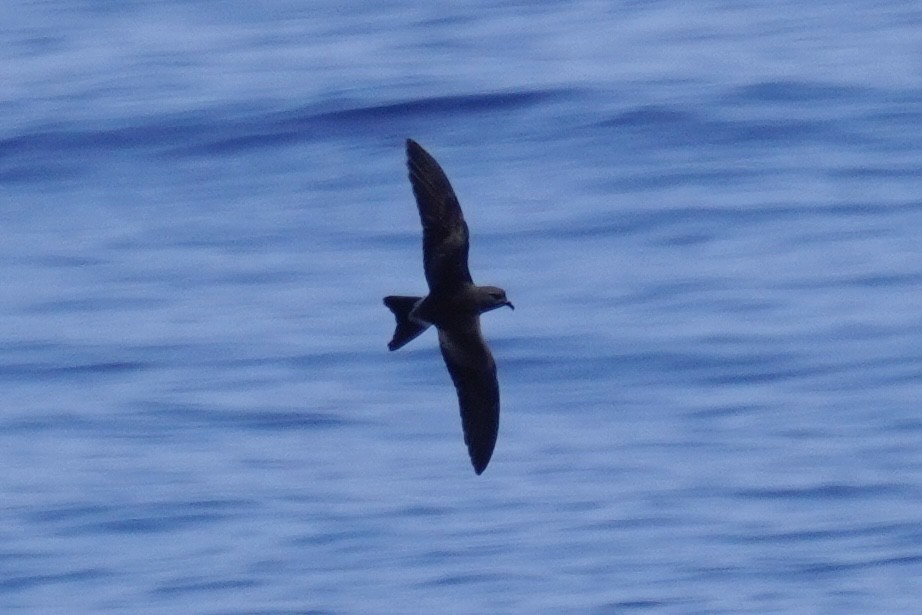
(708, 215)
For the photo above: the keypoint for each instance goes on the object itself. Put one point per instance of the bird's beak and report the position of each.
(511, 307)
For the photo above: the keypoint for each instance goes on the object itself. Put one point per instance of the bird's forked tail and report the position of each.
(407, 329)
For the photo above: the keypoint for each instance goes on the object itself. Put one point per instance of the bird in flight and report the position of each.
(454, 305)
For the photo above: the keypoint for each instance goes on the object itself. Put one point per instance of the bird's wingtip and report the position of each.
(479, 465)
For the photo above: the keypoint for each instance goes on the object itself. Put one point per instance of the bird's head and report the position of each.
(491, 297)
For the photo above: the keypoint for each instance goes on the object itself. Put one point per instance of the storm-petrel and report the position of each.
(454, 305)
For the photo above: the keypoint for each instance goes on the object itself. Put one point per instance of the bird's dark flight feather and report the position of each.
(473, 372)
(445, 233)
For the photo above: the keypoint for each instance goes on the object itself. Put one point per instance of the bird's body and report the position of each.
(454, 305)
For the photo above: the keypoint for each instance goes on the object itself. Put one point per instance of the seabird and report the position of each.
(453, 306)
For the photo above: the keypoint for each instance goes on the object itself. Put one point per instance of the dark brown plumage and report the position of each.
(453, 306)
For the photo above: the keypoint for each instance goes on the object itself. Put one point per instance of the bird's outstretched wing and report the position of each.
(473, 371)
(445, 234)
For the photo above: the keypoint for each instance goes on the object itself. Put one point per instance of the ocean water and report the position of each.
(708, 216)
